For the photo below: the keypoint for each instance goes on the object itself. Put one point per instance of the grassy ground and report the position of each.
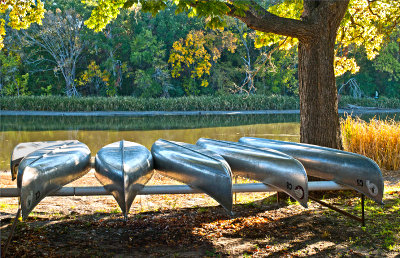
(194, 226)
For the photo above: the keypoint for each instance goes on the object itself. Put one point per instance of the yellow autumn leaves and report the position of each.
(366, 24)
(93, 71)
(196, 53)
(21, 14)
(104, 12)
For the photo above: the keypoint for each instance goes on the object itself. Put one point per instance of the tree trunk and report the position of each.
(318, 95)
(317, 86)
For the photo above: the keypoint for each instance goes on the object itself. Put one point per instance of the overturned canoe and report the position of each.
(46, 170)
(25, 148)
(353, 170)
(124, 168)
(267, 166)
(196, 167)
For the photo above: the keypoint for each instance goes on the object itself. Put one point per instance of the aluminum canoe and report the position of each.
(23, 149)
(353, 170)
(196, 167)
(123, 168)
(46, 170)
(267, 166)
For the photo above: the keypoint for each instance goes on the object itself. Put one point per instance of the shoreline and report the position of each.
(356, 110)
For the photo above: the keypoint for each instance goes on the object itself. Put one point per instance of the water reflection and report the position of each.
(35, 123)
(100, 131)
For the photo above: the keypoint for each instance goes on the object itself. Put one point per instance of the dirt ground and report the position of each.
(195, 226)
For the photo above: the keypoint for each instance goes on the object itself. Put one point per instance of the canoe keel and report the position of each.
(123, 168)
(196, 167)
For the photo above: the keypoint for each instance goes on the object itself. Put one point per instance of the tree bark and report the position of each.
(318, 95)
(317, 87)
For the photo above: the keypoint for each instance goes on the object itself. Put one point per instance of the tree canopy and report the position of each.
(20, 15)
(366, 23)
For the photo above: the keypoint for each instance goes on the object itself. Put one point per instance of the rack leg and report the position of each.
(11, 232)
(236, 177)
(277, 198)
(338, 210)
(362, 210)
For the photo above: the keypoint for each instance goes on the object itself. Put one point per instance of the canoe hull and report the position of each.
(23, 149)
(196, 167)
(123, 168)
(269, 167)
(46, 170)
(354, 170)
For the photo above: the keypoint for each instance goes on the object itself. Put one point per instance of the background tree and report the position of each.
(316, 31)
(61, 39)
(195, 55)
(148, 55)
(93, 81)
(12, 80)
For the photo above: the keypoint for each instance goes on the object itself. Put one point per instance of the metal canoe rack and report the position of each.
(345, 213)
(185, 189)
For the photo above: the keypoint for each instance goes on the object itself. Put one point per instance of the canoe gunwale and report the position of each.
(193, 150)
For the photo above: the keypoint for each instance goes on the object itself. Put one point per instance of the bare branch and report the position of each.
(60, 38)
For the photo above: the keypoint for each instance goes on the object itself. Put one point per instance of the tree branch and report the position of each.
(257, 18)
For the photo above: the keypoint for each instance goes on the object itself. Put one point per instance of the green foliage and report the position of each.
(388, 61)
(46, 91)
(17, 87)
(12, 81)
(381, 74)
(147, 85)
(281, 75)
(146, 50)
(382, 102)
(148, 55)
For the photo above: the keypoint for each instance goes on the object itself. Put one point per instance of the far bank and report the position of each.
(208, 105)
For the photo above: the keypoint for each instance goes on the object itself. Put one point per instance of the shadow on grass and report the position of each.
(261, 228)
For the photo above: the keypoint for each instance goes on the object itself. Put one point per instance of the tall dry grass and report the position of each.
(217, 103)
(376, 139)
